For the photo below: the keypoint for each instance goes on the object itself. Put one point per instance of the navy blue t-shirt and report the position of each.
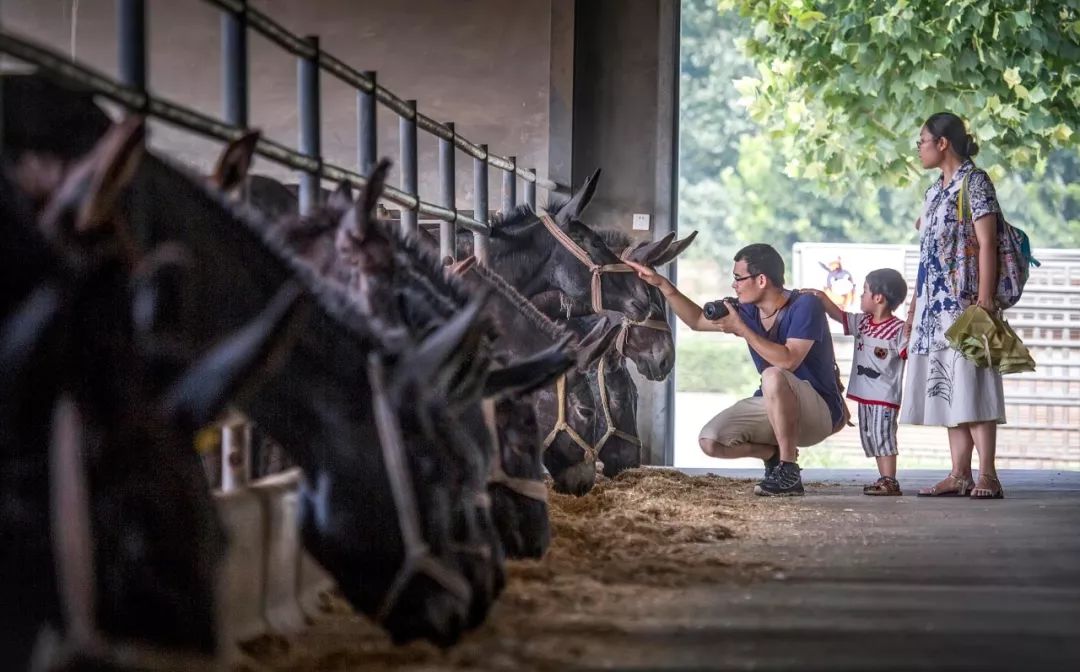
(804, 318)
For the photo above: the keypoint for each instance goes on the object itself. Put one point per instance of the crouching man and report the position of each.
(799, 402)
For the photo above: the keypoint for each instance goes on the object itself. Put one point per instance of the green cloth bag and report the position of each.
(989, 341)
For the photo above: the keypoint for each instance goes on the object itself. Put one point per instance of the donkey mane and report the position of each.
(519, 215)
(529, 310)
(429, 269)
(331, 297)
(297, 228)
(615, 239)
(557, 202)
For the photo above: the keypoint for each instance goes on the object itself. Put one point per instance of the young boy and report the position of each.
(877, 369)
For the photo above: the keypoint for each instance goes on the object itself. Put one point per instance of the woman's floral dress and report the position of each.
(942, 387)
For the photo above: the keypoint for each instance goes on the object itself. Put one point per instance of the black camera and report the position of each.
(714, 310)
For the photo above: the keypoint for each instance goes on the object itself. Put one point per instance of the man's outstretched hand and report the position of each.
(649, 275)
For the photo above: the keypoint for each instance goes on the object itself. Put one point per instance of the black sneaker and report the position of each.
(770, 464)
(783, 481)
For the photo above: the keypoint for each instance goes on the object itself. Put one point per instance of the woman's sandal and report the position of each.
(995, 492)
(950, 486)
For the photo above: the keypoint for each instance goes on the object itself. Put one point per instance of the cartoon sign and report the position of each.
(839, 285)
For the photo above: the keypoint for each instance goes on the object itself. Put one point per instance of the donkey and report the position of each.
(312, 239)
(377, 518)
(130, 551)
(557, 253)
(382, 257)
(232, 175)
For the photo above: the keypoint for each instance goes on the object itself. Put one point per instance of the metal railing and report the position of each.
(131, 91)
(237, 18)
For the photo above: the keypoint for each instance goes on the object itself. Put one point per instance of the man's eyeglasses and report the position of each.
(922, 141)
(737, 278)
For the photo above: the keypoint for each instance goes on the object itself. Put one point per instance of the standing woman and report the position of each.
(957, 268)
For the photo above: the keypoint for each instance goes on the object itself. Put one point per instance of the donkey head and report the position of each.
(569, 454)
(620, 292)
(650, 347)
(145, 499)
(319, 404)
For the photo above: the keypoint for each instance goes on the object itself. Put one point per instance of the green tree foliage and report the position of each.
(744, 179)
(839, 83)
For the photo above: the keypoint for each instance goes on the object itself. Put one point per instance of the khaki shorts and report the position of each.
(747, 421)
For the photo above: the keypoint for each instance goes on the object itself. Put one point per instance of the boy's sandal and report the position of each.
(884, 486)
(950, 486)
(989, 487)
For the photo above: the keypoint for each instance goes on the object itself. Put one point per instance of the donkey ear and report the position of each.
(644, 252)
(677, 248)
(596, 343)
(342, 198)
(432, 355)
(531, 373)
(580, 200)
(359, 220)
(22, 332)
(209, 383)
(91, 191)
(235, 161)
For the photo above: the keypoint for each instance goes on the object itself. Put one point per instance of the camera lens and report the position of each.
(714, 310)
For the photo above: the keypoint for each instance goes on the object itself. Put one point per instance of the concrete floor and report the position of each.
(900, 583)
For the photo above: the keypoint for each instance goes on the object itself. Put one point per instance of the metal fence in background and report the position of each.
(228, 451)
(237, 18)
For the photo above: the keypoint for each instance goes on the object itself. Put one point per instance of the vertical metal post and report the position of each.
(447, 195)
(509, 188)
(367, 131)
(409, 181)
(530, 191)
(235, 455)
(308, 94)
(234, 66)
(131, 32)
(480, 205)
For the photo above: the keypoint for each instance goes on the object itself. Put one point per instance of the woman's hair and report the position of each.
(951, 127)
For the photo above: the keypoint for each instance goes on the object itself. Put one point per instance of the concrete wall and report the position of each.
(625, 102)
(566, 85)
(483, 64)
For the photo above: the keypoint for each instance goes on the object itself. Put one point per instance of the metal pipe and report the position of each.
(234, 66)
(197, 122)
(308, 95)
(409, 178)
(509, 188)
(131, 33)
(447, 195)
(367, 131)
(235, 455)
(530, 191)
(480, 206)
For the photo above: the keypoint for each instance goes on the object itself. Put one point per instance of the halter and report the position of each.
(418, 556)
(596, 269)
(592, 453)
(526, 487)
(75, 570)
(597, 303)
(596, 297)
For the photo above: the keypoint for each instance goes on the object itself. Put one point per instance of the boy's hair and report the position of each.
(890, 284)
(762, 259)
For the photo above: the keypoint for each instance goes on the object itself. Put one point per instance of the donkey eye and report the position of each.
(585, 412)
